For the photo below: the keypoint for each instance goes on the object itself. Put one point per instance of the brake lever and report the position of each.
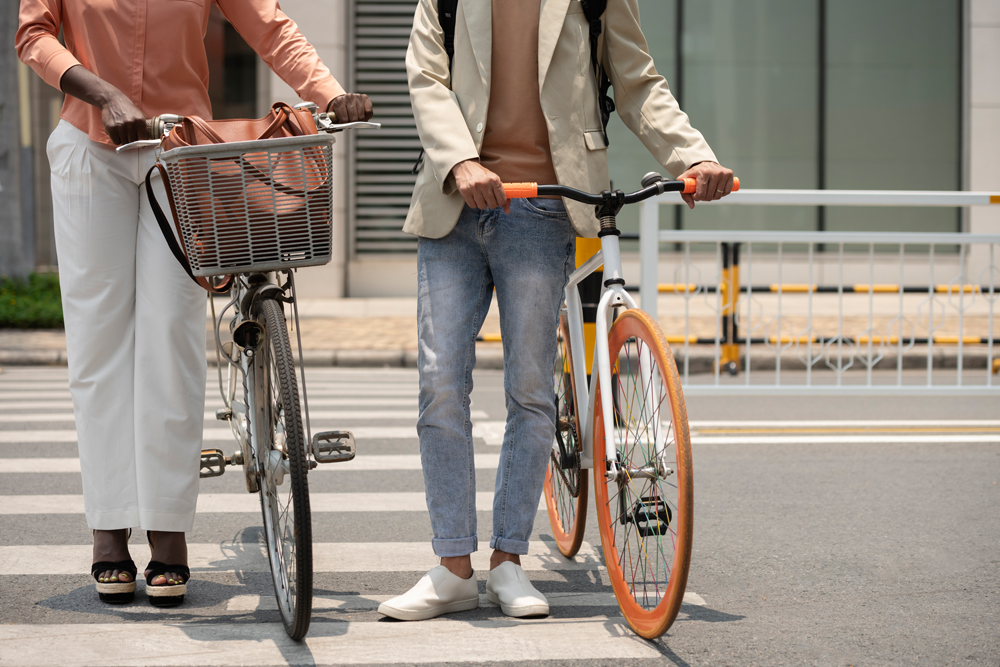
(142, 143)
(356, 125)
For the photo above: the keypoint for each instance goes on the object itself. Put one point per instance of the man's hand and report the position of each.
(714, 182)
(480, 187)
(350, 108)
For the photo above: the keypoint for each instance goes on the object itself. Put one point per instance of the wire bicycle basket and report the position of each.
(253, 206)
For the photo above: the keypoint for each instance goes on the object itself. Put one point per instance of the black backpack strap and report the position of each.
(594, 10)
(446, 16)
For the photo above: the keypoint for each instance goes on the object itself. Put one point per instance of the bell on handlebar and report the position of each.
(652, 178)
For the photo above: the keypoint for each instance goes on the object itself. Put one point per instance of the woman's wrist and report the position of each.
(80, 82)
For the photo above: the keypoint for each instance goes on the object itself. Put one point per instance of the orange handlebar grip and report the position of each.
(736, 184)
(690, 185)
(520, 190)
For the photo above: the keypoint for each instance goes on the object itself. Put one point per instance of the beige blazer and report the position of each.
(450, 107)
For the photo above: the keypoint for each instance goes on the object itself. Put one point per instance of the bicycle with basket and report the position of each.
(247, 215)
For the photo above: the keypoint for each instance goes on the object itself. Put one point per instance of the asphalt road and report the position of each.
(824, 543)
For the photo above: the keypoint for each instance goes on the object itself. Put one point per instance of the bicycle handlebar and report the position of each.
(326, 122)
(529, 190)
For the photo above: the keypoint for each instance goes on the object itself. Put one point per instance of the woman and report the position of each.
(135, 322)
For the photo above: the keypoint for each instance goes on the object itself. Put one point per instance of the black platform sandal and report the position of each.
(165, 595)
(115, 591)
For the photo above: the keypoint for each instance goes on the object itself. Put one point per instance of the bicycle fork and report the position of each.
(614, 296)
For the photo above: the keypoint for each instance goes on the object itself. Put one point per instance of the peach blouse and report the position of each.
(154, 51)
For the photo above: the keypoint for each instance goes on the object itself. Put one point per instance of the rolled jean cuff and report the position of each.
(461, 546)
(518, 547)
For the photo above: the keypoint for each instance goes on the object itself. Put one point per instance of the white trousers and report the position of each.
(135, 337)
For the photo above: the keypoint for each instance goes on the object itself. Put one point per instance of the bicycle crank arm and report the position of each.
(333, 446)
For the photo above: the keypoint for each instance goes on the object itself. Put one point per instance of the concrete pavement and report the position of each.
(818, 540)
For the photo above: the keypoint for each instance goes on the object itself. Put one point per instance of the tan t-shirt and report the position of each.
(516, 139)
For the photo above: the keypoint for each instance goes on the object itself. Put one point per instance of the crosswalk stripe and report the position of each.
(845, 439)
(844, 423)
(210, 434)
(265, 645)
(38, 405)
(341, 392)
(229, 503)
(492, 433)
(326, 602)
(214, 402)
(342, 415)
(75, 559)
(376, 462)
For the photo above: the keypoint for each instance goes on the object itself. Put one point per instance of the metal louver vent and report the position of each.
(382, 161)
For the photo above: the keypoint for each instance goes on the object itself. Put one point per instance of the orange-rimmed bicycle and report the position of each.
(629, 424)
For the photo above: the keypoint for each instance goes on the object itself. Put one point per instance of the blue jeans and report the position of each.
(527, 256)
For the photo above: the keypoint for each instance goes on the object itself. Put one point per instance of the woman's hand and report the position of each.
(480, 187)
(350, 108)
(714, 182)
(123, 121)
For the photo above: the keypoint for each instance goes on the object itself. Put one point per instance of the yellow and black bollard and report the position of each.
(729, 288)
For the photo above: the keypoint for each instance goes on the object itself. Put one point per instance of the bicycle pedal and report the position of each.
(650, 515)
(213, 463)
(333, 446)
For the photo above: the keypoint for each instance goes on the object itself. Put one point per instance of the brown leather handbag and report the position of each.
(242, 190)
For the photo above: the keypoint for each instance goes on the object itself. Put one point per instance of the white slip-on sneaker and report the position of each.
(438, 592)
(508, 586)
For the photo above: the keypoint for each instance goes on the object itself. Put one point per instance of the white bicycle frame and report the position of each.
(612, 296)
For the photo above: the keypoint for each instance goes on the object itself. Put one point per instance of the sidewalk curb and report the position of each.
(32, 357)
(491, 357)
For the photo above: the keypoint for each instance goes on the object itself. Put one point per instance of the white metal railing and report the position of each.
(899, 313)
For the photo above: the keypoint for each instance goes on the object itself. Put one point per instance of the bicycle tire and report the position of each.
(284, 498)
(567, 506)
(647, 502)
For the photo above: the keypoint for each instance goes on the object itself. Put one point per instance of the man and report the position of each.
(519, 103)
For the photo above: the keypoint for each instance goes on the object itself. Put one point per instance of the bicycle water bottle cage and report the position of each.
(650, 515)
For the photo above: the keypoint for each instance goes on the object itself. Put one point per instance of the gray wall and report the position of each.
(15, 236)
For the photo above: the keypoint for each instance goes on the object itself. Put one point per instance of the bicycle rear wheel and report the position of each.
(284, 490)
(645, 513)
(566, 489)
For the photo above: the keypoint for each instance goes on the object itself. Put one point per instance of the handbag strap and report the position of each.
(168, 236)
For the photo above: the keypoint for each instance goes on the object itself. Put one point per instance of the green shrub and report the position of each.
(31, 304)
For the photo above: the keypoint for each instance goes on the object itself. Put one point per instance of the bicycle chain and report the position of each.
(574, 487)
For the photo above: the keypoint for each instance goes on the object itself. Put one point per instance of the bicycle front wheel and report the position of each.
(566, 489)
(645, 511)
(284, 490)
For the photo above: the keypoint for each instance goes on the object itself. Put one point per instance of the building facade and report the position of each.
(844, 94)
